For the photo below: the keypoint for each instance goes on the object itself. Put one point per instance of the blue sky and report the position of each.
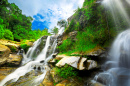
(46, 13)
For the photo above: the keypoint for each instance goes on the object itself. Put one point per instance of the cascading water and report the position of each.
(61, 30)
(39, 62)
(119, 9)
(117, 70)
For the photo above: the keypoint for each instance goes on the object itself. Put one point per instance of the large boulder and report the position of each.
(14, 60)
(77, 62)
(91, 64)
(4, 54)
(81, 64)
(9, 43)
(70, 60)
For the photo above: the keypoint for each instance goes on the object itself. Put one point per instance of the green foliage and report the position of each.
(66, 72)
(1, 52)
(1, 32)
(85, 41)
(18, 25)
(91, 34)
(25, 47)
(66, 45)
(8, 35)
(88, 2)
(55, 30)
(13, 49)
(62, 23)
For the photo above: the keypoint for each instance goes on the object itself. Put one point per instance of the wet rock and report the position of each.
(4, 51)
(4, 54)
(14, 60)
(96, 53)
(59, 57)
(97, 84)
(91, 64)
(9, 43)
(70, 82)
(59, 43)
(59, 40)
(48, 81)
(44, 37)
(3, 61)
(110, 64)
(104, 78)
(4, 71)
(42, 61)
(55, 77)
(73, 35)
(54, 55)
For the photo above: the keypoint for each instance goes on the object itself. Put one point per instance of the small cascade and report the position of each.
(32, 62)
(42, 55)
(28, 57)
(61, 30)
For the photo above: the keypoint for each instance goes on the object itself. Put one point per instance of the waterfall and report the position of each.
(61, 30)
(117, 69)
(119, 9)
(42, 55)
(30, 63)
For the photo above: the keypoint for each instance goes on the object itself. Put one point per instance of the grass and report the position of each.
(97, 33)
(13, 49)
(25, 47)
(66, 72)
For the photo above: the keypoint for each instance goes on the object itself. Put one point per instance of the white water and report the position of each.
(29, 64)
(118, 11)
(21, 71)
(42, 55)
(117, 70)
(28, 57)
(61, 30)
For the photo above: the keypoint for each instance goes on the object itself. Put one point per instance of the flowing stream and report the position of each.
(36, 58)
(117, 69)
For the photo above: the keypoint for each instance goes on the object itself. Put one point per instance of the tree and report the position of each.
(62, 23)
(8, 35)
(55, 30)
(1, 32)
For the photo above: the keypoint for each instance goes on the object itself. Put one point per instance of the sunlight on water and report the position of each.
(117, 70)
(29, 64)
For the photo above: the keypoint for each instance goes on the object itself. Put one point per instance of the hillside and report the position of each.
(94, 29)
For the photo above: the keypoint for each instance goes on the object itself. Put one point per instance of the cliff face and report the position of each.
(93, 30)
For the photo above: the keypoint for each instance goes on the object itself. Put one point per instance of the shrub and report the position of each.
(13, 49)
(85, 41)
(66, 45)
(25, 47)
(8, 35)
(1, 32)
(66, 71)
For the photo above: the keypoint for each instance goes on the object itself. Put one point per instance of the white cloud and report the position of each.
(60, 9)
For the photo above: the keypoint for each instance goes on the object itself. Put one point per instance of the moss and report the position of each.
(66, 72)
(25, 47)
(13, 49)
